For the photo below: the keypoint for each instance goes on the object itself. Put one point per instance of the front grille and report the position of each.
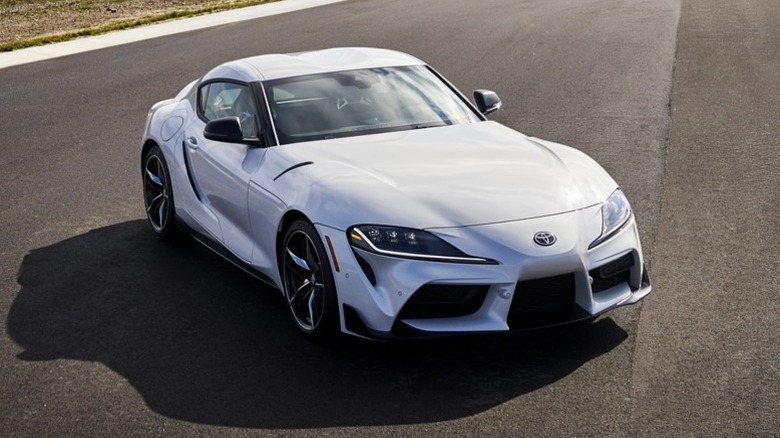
(543, 301)
(444, 301)
(611, 274)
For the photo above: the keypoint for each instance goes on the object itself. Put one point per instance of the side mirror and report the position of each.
(487, 101)
(228, 130)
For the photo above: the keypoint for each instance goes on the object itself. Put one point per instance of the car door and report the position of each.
(221, 171)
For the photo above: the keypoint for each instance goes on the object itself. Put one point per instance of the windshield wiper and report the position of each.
(428, 125)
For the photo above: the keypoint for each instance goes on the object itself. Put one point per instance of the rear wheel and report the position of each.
(308, 282)
(158, 194)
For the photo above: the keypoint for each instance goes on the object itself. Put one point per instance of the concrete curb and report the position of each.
(80, 45)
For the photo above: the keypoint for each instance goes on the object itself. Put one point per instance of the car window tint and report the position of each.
(360, 102)
(227, 99)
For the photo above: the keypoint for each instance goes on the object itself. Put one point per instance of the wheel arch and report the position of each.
(287, 219)
(329, 323)
(148, 144)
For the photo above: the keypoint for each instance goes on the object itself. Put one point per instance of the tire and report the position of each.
(158, 194)
(308, 285)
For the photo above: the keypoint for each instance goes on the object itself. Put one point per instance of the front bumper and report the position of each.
(530, 287)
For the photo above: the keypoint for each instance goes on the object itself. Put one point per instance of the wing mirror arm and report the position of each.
(228, 130)
(487, 101)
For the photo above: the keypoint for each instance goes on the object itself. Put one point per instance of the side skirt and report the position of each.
(223, 252)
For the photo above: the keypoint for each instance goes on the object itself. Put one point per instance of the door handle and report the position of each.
(192, 142)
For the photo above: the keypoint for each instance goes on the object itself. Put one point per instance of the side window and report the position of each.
(226, 99)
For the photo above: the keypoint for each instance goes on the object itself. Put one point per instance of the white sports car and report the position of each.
(382, 203)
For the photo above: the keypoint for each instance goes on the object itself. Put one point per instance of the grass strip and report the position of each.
(126, 24)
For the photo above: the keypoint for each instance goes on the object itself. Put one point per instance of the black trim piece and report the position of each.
(612, 274)
(223, 252)
(444, 301)
(602, 239)
(367, 270)
(189, 170)
(354, 323)
(543, 301)
(402, 330)
(559, 317)
(266, 128)
(645, 282)
(305, 163)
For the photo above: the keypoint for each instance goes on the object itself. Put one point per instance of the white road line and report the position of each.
(49, 51)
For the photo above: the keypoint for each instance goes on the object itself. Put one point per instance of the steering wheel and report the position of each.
(343, 102)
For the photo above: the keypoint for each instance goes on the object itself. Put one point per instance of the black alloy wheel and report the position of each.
(158, 194)
(308, 282)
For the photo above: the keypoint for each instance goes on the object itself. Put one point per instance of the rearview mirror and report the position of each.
(228, 130)
(487, 101)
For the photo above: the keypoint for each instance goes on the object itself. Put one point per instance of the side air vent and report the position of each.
(611, 274)
(367, 270)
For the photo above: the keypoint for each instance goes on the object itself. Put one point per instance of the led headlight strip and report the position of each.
(408, 243)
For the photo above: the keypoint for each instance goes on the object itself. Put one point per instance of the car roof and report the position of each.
(276, 66)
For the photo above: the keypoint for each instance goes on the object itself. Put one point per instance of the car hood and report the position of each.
(457, 175)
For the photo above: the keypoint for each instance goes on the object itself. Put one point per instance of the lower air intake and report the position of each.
(542, 301)
(612, 273)
(444, 301)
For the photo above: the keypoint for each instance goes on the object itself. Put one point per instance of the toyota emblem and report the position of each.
(545, 238)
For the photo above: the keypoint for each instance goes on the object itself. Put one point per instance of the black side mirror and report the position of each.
(487, 101)
(228, 130)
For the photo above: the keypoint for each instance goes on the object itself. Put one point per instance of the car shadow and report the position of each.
(202, 341)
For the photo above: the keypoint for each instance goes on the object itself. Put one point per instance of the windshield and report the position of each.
(360, 102)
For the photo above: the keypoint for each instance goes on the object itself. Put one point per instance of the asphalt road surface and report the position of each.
(111, 333)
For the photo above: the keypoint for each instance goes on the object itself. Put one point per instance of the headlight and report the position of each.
(614, 213)
(407, 243)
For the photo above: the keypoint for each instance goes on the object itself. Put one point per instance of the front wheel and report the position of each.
(158, 194)
(308, 282)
